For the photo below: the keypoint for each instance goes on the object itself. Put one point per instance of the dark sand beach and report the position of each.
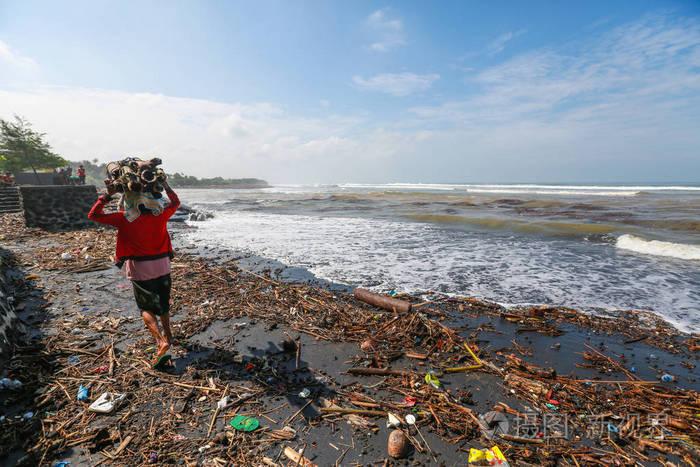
(231, 318)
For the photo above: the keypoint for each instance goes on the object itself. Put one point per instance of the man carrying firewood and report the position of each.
(144, 250)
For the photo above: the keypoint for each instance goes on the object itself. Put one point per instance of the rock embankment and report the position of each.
(10, 326)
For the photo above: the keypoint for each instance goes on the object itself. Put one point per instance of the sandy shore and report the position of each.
(231, 327)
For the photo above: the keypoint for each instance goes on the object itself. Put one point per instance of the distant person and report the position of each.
(81, 175)
(62, 180)
(145, 251)
(7, 179)
(69, 175)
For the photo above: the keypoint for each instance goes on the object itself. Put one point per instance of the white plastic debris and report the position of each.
(107, 402)
(393, 421)
(28, 415)
(306, 392)
(322, 379)
(224, 402)
(66, 256)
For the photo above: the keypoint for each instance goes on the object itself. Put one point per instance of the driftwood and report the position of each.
(377, 372)
(297, 458)
(340, 410)
(382, 301)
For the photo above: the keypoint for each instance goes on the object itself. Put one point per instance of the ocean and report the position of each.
(595, 248)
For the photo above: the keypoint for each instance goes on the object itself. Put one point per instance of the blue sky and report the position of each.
(308, 92)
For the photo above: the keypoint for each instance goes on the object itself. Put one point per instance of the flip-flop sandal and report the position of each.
(162, 362)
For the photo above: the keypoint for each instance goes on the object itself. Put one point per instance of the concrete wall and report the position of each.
(58, 207)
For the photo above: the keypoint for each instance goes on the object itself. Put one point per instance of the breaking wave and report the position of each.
(659, 248)
(571, 229)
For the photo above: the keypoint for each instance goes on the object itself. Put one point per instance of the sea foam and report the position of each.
(659, 248)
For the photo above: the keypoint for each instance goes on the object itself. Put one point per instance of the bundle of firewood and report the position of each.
(134, 174)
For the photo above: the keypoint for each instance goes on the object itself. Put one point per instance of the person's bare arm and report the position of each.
(174, 200)
(97, 213)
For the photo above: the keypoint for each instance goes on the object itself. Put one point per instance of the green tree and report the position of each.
(24, 148)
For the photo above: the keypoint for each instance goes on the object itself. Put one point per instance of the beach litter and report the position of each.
(107, 402)
(393, 421)
(83, 393)
(432, 379)
(170, 416)
(492, 456)
(244, 423)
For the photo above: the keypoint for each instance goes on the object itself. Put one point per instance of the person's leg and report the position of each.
(165, 321)
(152, 325)
(164, 296)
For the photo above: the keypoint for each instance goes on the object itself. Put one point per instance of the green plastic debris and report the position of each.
(243, 423)
(432, 380)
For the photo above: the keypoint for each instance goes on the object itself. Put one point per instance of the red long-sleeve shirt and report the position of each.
(145, 238)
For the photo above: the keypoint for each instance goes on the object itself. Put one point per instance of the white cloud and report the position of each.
(389, 32)
(646, 65)
(199, 137)
(499, 44)
(397, 84)
(621, 106)
(12, 58)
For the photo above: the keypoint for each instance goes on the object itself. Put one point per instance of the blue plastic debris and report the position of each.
(83, 393)
(666, 378)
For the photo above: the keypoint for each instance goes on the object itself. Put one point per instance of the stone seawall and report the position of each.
(58, 207)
